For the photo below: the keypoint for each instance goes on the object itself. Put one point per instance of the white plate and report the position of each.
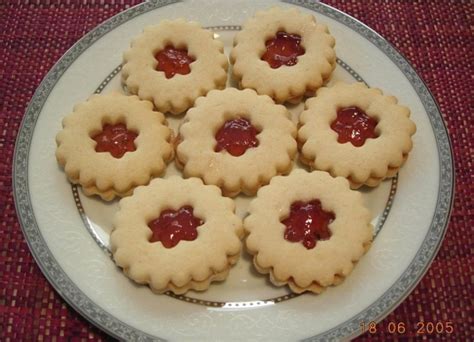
(68, 232)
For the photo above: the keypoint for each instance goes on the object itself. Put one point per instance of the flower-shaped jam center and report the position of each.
(173, 61)
(307, 223)
(354, 125)
(115, 139)
(283, 49)
(236, 136)
(172, 226)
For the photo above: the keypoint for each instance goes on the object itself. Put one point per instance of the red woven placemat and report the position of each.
(436, 37)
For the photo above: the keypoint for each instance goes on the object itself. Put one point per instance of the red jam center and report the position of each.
(175, 225)
(354, 125)
(115, 139)
(307, 223)
(284, 49)
(236, 136)
(173, 61)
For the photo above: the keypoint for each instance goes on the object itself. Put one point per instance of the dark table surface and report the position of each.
(435, 36)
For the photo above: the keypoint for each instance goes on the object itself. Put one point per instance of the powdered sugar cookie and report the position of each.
(356, 132)
(173, 63)
(237, 140)
(307, 230)
(283, 53)
(176, 235)
(112, 143)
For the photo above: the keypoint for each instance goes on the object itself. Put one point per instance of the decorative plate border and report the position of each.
(104, 320)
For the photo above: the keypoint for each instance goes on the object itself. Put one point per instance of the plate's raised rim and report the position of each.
(107, 322)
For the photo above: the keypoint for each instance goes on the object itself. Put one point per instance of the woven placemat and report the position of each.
(435, 36)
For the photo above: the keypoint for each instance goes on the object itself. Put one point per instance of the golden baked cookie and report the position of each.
(283, 53)
(173, 63)
(307, 230)
(176, 235)
(356, 132)
(237, 140)
(111, 143)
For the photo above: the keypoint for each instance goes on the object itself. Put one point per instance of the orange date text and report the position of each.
(400, 328)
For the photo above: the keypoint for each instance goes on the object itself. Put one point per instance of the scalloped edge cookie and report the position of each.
(290, 263)
(286, 83)
(379, 158)
(189, 264)
(176, 94)
(248, 172)
(99, 173)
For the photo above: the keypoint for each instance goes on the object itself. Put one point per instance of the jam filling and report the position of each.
(307, 223)
(173, 61)
(115, 139)
(172, 226)
(354, 125)
(283, 49)
(236, 136)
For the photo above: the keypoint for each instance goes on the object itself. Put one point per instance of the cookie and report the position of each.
(237, 140)
(307, 230)
(173, 63)
(283, 53)
(176, 235)
(112, 143)
(356, 132)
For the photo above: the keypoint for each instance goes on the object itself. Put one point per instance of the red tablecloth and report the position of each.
(436, 37)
